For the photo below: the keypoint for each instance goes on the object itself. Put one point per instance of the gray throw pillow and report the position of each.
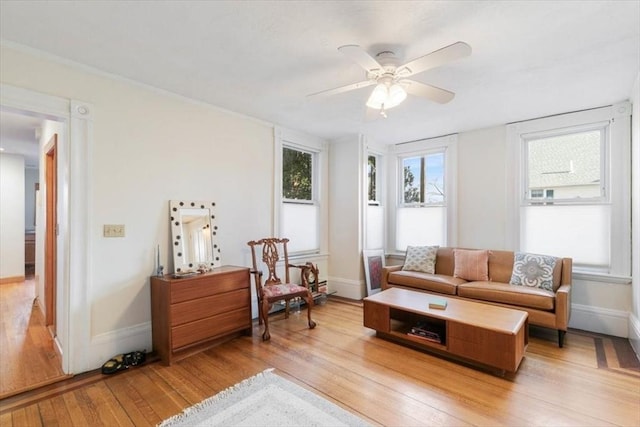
(533, 270)
(421, 258)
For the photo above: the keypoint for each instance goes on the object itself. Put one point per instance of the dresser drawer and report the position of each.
(211, 327)
(189, 311)
(202, 286)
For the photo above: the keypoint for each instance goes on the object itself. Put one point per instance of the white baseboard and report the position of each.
(600, 320)
(346, 288)
(105, 346)
(634, 334)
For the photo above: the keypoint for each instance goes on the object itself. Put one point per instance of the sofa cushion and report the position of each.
(444, 261)
(420, 258)
(532, 270)
(503, 293)
(471, 264)
(428, 282)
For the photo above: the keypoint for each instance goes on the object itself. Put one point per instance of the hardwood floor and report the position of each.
(27, 352)
(591, 381)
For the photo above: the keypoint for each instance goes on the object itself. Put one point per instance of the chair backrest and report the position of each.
(270, 258)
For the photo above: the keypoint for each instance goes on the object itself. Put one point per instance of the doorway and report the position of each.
(31, 356)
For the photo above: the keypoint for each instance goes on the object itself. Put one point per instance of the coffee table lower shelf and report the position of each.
(482, 334)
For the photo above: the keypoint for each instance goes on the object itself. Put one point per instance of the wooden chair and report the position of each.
(272, 289)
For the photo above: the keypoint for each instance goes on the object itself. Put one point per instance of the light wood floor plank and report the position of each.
(383, 382)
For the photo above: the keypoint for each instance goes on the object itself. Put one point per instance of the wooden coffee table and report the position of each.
(481, 333)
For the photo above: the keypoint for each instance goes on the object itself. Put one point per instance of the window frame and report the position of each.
(447, 143)
(377, 201)
(318, 147)
(314, 174)
(618, 181)
(603, 127)
(400, 178)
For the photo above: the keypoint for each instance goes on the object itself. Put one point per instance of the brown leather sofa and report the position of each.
(550, 309)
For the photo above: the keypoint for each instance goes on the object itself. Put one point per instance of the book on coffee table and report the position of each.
(438, 303)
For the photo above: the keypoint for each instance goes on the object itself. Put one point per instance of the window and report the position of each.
(423, 179)
(573, 190)
(297, 175)
(425, 172)
(372, 179)
(299, 196)
(566, 166)
(374, 216)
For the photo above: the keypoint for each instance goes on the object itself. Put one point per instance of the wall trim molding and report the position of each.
(346, 288)
(12, 279)
(105, 345)
(600, 320)
(634, 334)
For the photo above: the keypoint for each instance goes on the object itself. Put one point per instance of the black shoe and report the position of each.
(123, 361)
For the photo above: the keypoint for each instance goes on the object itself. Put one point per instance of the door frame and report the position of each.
(51, 232)
(72, 245)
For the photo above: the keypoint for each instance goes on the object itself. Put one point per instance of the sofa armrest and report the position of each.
(385, 274)
(563, 307)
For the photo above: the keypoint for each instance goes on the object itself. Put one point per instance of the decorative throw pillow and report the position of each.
(421, 258)
(471, 264)
(533, 270)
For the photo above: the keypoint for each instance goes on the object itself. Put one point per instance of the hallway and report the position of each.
(29, 359)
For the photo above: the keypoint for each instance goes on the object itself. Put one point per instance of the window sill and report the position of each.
(602, 277)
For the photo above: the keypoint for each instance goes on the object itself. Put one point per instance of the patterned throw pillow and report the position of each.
(471, 264)
(533, 270)
(421, 258)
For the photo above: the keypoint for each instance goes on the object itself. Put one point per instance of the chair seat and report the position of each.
(282, 290)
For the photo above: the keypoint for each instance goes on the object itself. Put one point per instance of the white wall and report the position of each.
(150, 147)
(634, 317)
(31, 177)
(481, 188)
(345, 199)
(11, 216)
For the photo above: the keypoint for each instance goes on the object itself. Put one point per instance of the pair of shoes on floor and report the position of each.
(124, 361)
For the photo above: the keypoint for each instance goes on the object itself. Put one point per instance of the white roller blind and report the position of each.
(375, 227)
(300, 226)
(581, 232)
(420, 227)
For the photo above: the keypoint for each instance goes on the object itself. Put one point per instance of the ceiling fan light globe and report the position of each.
(378, 97)
(397, 94)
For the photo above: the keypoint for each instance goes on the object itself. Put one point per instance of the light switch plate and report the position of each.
(113, 230)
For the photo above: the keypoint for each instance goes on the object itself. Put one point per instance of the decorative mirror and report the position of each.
(194, 236)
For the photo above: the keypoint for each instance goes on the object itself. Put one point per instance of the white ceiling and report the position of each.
(261, 58)
(18, 135)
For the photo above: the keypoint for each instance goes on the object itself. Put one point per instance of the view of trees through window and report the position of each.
(371, 175)
(423, 179)
(297, 173)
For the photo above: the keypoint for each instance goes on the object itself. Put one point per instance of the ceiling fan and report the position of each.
(390, 78)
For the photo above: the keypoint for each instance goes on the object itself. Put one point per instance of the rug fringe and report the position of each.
(213, 399)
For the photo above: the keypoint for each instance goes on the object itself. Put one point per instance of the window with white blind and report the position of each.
(374, 236)
(572, 195)
(300, 213)
(424, 181)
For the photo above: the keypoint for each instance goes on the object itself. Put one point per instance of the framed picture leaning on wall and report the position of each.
(373, 264)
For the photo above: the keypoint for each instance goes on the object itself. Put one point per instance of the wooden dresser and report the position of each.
(191, 314)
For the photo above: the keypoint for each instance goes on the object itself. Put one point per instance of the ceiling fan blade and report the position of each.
(432, 93)
(360, 57)
(435, 59)
(341, 89)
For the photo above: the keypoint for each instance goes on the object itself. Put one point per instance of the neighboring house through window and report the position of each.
(572, 192)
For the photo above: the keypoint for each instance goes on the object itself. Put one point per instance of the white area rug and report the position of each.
(264, 400)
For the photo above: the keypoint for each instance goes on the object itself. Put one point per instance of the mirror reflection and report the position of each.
(193, 232)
